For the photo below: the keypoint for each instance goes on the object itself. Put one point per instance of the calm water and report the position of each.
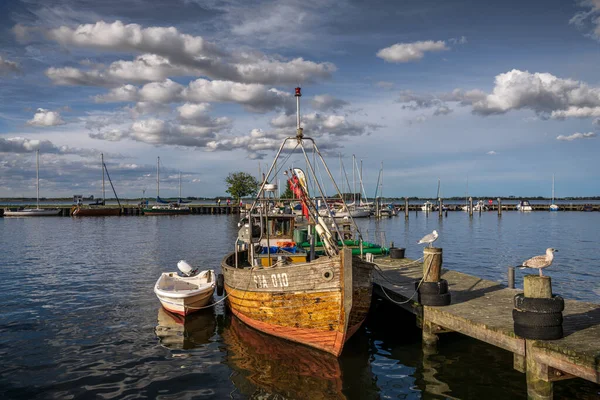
(80, 320)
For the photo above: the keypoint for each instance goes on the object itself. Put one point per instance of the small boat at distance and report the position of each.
(186, 293)
(524, 206)
(33, 212)
(163, 207)
(553, 207)
(99, 208)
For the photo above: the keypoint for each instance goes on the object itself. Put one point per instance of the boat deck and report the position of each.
(482, 309)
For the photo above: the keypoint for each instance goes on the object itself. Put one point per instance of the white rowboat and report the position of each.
(184, 295)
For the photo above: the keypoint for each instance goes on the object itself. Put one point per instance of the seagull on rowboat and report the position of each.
(429, 239)
(540, 262)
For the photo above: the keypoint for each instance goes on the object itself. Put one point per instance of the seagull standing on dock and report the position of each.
(540, 261)
(429, 239)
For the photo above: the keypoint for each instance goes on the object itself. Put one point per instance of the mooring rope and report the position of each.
(395, 284)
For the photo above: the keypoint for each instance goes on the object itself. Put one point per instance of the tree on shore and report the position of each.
(241, 184)
(288, 194)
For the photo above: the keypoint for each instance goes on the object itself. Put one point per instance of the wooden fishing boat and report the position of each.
(281, 289)
(184, 295)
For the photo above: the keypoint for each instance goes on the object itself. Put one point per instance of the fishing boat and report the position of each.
(99, 208)
(427, 206)
(163, 207)
(553, 207)
(186, 292)
(277, 287)
(37, 211)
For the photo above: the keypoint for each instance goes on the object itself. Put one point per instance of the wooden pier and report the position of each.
(482, 309)
(135, 210)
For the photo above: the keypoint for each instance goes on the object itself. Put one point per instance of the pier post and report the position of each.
(499, 207)
(441, 205)
(470, 206)
(511, 277)
(406, 208)
(430, 338)
(538, 385)
(432, 264)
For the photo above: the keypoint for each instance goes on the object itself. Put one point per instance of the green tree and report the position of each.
(288, 194)
(241, 184)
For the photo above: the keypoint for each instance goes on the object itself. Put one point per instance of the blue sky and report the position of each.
(502, 94)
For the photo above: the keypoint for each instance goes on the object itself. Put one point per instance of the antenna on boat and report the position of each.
(299, 134)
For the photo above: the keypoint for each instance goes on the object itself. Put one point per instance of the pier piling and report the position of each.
(470, 206)
(406, 208)
(441, 207)
(511, 277)
(432, 264)
(499, 207)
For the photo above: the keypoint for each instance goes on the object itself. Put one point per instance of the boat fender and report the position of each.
(220, 284)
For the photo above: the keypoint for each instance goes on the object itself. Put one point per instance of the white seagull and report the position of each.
(540, 261)
(429, 239)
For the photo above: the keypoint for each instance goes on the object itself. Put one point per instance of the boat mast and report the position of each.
(157, 178)
(552, 188)
(102, 167)
(37, 176)
(354, 179)
(179, 185)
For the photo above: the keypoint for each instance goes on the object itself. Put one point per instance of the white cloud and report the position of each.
(589, 17)
(253, 97)
(385, 84)
(326, 102)
(540, 92)
(442, 110)
(407, 52)
(576, 136)
(168, 52)
(576, 112)
(491, 153)
(45, 117)
(24, 145)
(8, 67)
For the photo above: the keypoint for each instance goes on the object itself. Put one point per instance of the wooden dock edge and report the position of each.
(542, 364)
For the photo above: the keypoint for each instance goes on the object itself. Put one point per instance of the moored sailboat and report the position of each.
(163, 207)
(275, 286)
(37, 211)
(99, 208)
(553, 207)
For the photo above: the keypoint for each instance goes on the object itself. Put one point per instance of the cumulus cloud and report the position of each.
(252, 96)
(384, 84)
(576, 136)
(491, 153)
(326, 102)
(45, 117)
(167, 52)
(24, 145)
(407, 52)
(418, 101)
(8, 67)
(588, 19)
(541, 92)
(442, 110)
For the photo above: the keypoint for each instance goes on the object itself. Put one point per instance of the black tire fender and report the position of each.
(534, 319)
(539, 332)
(437, 300)
(555, 304)
(220, 284)
(440, 287)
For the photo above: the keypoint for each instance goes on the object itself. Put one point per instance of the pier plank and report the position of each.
(482, 309)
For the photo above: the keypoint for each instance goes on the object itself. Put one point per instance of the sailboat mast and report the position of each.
(102, 166)
(179, 185)
(37, 177)
(354, 179)
(157, 178)
(552, 188)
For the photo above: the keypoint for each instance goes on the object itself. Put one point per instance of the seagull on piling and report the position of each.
(540, 262)
(429, 239)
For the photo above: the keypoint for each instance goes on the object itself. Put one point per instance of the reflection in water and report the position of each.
(267, 366)
(178, 332)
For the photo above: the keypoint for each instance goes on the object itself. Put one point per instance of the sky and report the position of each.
(491, 98)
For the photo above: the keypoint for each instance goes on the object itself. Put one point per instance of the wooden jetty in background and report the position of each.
(482, 309)
(130, 209)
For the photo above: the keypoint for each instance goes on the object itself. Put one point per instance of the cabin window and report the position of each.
(280, 227)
